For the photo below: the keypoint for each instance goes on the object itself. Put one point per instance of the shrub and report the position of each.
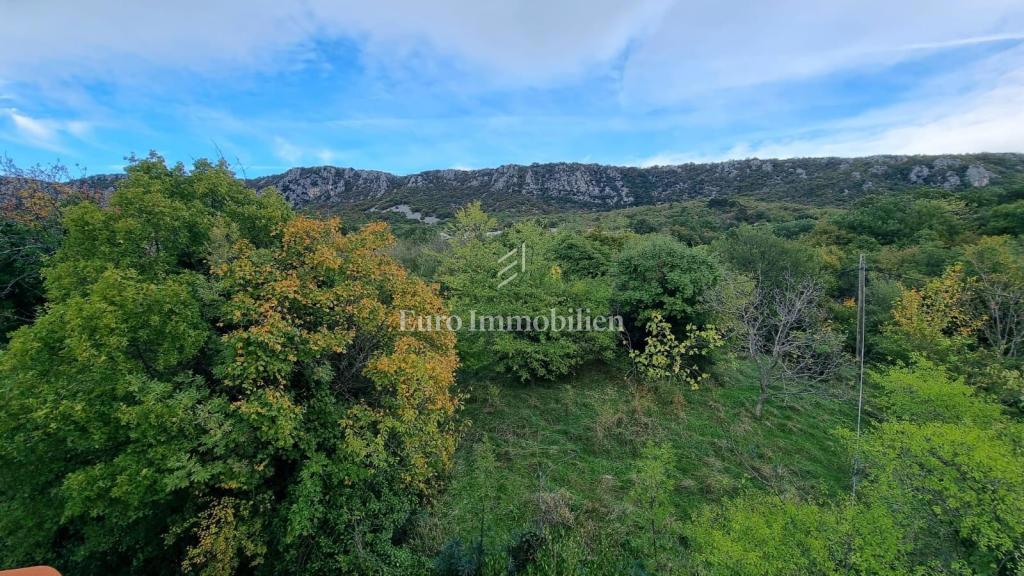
(764, 535)
(656, 274)
(956, 487)
(663, 358)
(925, 392)
(470, 278)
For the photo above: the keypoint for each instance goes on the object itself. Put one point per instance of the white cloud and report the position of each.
(32, 128)
(531, 39)
(705, 46)
(667, 49)
(688, 62)
(325, 156)
(44, 133)
(293, 154)
(986, 119)
(287, 151)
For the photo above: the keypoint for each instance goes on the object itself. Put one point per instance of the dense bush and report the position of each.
(956, 489)
(582, 255)
(470, 278)
(217, 386)
(760, 535)
(925, 392)
(770, 260)
(905, 218)
(657, 274)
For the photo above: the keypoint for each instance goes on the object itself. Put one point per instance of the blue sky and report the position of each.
(404, 85)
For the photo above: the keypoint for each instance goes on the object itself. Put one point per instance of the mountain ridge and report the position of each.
(570, 185)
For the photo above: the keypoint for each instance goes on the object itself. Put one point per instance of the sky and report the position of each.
(411, 85)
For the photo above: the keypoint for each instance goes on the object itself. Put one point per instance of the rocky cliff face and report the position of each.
(327, 184)
(814, 180)
(544, 187)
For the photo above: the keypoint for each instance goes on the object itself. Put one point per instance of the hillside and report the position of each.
(552, 187)
(544, 187)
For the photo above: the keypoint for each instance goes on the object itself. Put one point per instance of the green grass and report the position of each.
(566, 452)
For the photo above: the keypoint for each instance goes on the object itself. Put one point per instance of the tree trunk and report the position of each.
(759, 407)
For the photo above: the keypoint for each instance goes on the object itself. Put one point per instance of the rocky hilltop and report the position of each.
(565, 185)
(559, 186)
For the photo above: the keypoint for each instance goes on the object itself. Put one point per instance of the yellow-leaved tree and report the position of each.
(935, 321)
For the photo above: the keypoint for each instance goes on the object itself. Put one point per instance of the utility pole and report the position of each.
(861, 320)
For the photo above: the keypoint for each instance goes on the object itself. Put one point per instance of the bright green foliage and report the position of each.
(663, 358)
(470, 277)
(471, 223)
(956, 488)
(925, 392)
(652, 512)
(658, 274)
(947, 466)
(765, 535)
(219, 387)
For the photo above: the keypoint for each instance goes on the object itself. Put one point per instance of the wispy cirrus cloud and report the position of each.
(294, 155)
(977, 109)
(47, 133)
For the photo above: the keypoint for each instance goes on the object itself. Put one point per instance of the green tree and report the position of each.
(581, 255)
(995, 265)
(1004, 219)
(936, 321)
(757, 253)
(471, 223)
(218, 386)
(906, 218)
(657, 274)
(498, 338)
